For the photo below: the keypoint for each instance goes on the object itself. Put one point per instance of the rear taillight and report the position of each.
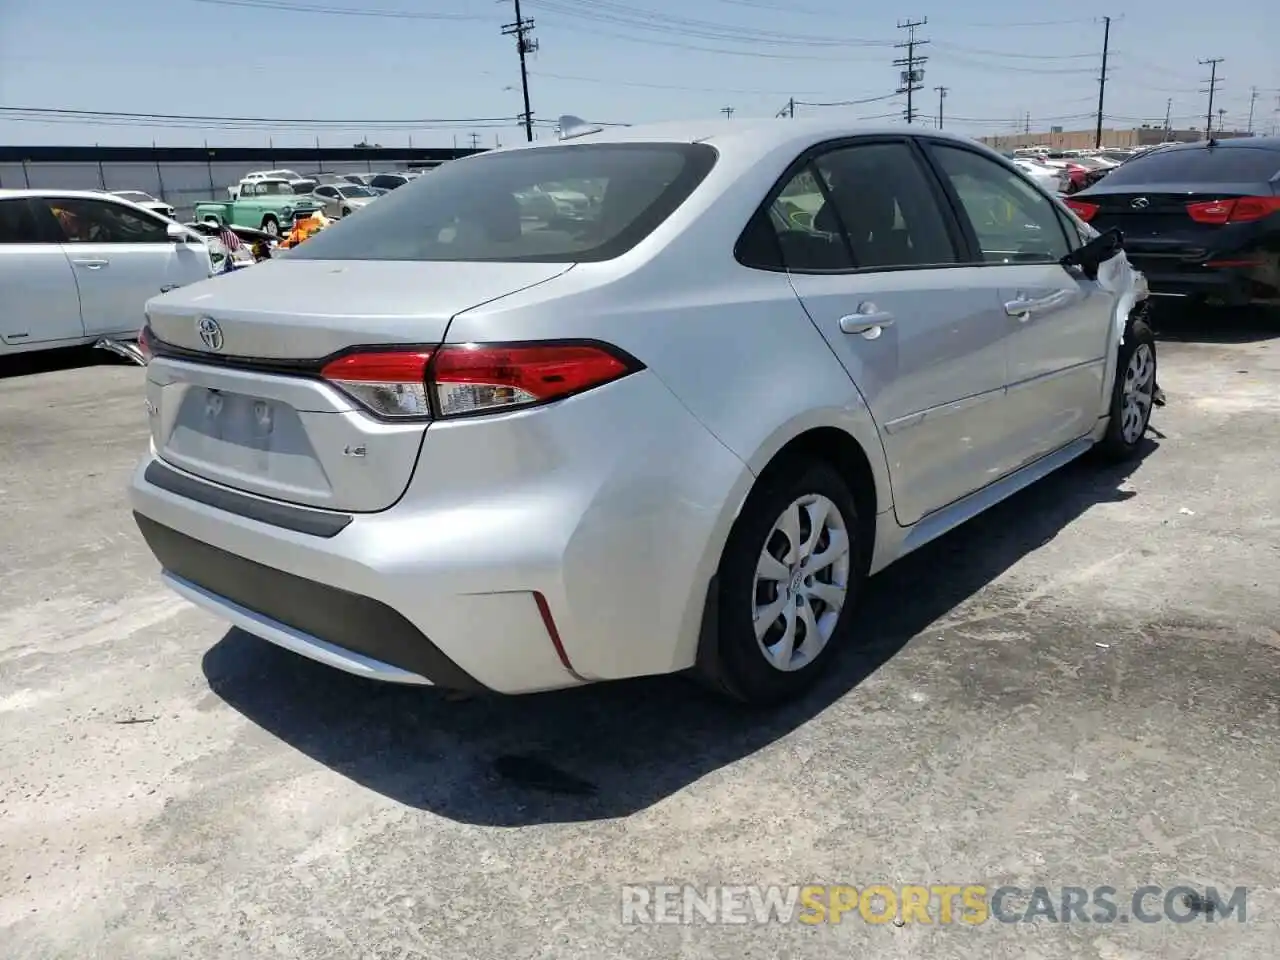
(473, 378)
(144, 343)
(390, 383)
(1082, 209)
(1235, 210)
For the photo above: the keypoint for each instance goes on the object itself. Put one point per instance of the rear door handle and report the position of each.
(868, 321)
(92, 264)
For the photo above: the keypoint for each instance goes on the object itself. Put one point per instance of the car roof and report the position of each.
(10, 193)
(1233, 143)
(751, 135)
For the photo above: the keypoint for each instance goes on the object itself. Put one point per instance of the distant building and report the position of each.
(1058, 139)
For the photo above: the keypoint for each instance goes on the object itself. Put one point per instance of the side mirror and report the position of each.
(1095, 253)
(178, 233)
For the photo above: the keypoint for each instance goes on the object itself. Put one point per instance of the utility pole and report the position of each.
(942, 95)
(728, 112)
(1102, 80)
(522, 30)
(475, 140)
(1168, 110)
(1026, 127)
(788, 109)
(1214, 80)
(913, 75)
(1253, 98)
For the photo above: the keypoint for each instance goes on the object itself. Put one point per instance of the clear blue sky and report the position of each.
(605, 60)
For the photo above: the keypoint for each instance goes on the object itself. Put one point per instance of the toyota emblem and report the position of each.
(1141, 203)
(210, 333)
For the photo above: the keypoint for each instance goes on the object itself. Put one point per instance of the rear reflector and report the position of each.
(390, 383)
(1233, 210)
(1082, 209)
(472, 378)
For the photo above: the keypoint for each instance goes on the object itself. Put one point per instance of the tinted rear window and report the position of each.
(1201, 165)
(561, 204)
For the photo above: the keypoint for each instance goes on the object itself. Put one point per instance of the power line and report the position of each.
(912, 79)
(326, 9)
(522, 30)
(1214, 80)
(1102, 80)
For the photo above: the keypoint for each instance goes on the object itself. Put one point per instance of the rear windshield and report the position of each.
(1202, 165)
(561, 204)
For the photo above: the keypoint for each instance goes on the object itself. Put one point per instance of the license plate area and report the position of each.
(235, 418)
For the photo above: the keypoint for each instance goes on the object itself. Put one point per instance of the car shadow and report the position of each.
(1177, 321)
(53, 361)
(610, 750)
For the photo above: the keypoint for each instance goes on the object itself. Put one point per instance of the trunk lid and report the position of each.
(252, 415)
(1154, 218)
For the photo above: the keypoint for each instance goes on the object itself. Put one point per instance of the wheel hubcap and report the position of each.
(1139, 391)
(802, 582)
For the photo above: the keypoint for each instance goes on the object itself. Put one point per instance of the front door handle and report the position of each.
(92, 264)
(868, 321)
(1022, 306)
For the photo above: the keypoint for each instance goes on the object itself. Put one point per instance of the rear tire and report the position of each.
(1133, 394)
(787, 586)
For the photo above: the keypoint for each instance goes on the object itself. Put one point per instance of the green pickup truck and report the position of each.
(269, 205)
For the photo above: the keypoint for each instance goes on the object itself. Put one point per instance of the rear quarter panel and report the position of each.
(732, 344)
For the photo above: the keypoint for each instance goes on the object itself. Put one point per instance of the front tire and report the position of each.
(1133, 395)
(271, 225)
(788, 581)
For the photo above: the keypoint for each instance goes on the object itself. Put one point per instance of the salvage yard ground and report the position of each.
(1080, 688)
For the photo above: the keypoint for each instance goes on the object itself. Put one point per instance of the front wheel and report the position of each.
(1133, 394)
(271, 225)
(788, 580)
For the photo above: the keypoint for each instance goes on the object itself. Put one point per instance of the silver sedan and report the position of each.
(456, 441)
(343, 199)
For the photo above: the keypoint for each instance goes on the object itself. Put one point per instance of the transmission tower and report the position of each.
(522, 30)
(912, 77)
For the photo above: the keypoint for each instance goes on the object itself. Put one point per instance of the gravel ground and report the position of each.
(1077, 689)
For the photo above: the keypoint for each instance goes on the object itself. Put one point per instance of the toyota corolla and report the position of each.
(454, 441)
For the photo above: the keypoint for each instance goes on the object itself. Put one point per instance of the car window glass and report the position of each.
(555, 204)
(325, 191)
(17, 223)
(1200, 165)
(799, 241)
(886, 206)
(1013, 221)
(97, 221)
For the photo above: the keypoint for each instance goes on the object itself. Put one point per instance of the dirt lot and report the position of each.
(1079, 688)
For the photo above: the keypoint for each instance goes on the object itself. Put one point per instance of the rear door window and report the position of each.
(1199, 165)
(864, 206)
(560, 204)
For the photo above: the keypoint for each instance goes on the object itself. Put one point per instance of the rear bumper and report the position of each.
(1236, 286)
(531, 551)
